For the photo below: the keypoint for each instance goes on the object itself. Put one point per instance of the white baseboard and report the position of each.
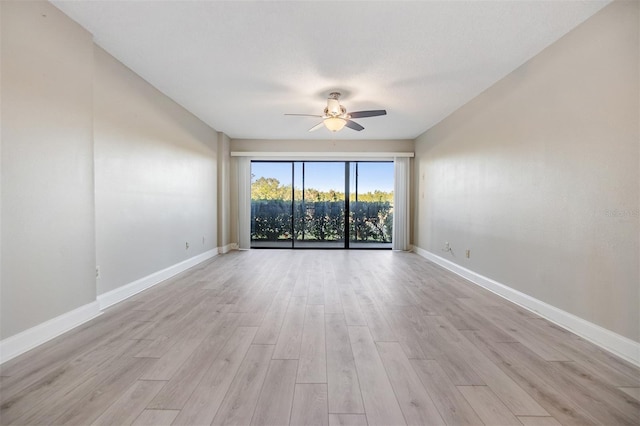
(20, 343)
(227, 248)
(607, 339)
(124, 292)
(24, 341)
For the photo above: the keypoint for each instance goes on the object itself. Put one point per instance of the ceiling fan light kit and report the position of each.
(334, 124)
(335, 116)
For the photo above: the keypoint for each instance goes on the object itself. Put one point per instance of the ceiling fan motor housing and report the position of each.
(334, 108)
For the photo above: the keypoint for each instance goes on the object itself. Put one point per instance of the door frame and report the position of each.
(347, 200)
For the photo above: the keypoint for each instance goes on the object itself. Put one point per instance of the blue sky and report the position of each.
(327, 175)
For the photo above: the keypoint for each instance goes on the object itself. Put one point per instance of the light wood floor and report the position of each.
(276, 337)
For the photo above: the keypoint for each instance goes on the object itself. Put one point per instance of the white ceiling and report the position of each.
(240, 65)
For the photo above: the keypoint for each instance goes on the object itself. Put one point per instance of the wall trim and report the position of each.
(121, 293)
(618, 345)
(26, 340)
(228, 248)
(320, 156)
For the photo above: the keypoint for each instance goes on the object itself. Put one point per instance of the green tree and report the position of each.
(265, 189)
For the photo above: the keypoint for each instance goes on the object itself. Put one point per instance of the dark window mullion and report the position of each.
(293, 204)
(347, 236)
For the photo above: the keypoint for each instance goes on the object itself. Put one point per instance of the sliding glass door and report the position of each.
(312, 204)
(319, 219)
(271, 204)
(371, 204)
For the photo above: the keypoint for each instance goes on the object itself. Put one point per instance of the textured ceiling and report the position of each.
(239, 66)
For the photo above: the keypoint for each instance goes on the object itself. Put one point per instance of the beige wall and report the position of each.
(48, 250)
(156, 178)
(538, 176)
(97, 168)
(224, 185)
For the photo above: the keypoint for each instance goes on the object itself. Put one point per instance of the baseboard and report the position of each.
(619, 345)
(124, 292)
(227, 248)
(22, 342)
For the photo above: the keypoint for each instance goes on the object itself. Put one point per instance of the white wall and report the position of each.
(156, 182)
(538, 176)
(48, 248)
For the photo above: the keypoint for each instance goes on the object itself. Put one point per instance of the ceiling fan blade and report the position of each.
(317, 126)
(372, 113)
(306, 115)
(353, 125)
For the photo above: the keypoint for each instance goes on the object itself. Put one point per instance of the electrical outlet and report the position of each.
(186, 246)
(97, 272)
(202, 240)
(468, 253)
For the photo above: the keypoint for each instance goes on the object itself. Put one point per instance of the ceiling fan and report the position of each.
(335, 116)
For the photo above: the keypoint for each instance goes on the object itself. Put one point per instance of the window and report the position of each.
(315, 204)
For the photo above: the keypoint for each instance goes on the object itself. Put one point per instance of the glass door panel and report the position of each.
(299, 217)
(271, 204)
(320, 209)
(370, 204)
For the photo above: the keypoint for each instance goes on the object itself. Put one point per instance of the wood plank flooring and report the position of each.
(311, 337)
